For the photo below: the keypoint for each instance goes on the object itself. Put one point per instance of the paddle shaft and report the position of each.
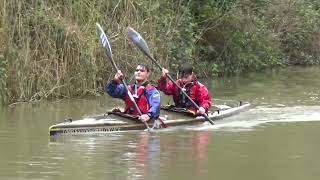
(174, 82)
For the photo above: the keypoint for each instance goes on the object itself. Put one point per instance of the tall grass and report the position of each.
(50, 49)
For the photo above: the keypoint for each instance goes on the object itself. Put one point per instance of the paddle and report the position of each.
(142, 45)
(106, 45)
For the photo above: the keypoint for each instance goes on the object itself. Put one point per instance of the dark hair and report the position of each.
(185, 68)
(145, 66)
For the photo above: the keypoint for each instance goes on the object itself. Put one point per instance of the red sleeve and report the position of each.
(204, 99)
(167, 87)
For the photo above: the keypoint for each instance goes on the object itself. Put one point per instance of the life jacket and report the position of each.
(138, 93)
(180, 99)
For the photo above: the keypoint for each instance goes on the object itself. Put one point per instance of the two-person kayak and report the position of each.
(117, 121)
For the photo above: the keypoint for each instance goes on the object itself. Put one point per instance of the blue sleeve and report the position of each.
(115, 89)
(153, 97)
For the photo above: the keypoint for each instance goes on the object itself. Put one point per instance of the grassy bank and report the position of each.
(50, 49)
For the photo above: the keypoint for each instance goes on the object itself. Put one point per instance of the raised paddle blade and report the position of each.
(137, 39)
(104, 40)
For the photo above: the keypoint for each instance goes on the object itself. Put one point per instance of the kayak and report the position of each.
(115, 120)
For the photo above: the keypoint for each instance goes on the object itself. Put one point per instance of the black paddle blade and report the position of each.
(137, 39)
(104, 40)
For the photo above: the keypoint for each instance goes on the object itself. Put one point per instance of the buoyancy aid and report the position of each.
(181, 100)
(138, 93)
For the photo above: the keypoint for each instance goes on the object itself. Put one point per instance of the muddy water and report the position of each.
(276, 139)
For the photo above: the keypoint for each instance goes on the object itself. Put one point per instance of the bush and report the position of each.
(3, 78)
(50, 49)
(297, 25)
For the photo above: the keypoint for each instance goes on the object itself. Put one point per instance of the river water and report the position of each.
(276, 139)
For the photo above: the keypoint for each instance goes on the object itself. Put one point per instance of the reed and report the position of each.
(50, 49)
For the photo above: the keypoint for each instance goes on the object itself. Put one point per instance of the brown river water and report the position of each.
(278, 138)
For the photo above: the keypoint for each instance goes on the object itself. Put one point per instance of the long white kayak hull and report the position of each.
(114, 122)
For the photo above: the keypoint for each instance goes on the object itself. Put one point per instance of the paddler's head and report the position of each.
(186, 72)
(142, 73)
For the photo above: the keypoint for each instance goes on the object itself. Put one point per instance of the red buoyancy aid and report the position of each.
(190, 89)
(196, 92)
(138, 93)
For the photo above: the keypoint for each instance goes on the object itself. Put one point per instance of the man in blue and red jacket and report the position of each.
(188, 82)
(145, 95)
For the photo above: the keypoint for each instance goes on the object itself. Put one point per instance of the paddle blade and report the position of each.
(137, 39)
(104, 40)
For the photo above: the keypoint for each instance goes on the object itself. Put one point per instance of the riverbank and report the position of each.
(51, 49)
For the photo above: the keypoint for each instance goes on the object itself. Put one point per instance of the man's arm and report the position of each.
(167, 87)
(153, 97)
(114, 89)
(204, 99)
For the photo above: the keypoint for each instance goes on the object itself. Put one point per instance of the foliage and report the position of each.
(50, 49)
(255, 34)
(172, 31)
(297, 24)
(3, 77)
(235, 37)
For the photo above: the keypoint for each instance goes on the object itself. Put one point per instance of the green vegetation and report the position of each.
(50, 49)
(3, 78)
(250, 35)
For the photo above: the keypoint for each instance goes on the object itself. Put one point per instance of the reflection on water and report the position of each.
(276, 139)
(137, 155)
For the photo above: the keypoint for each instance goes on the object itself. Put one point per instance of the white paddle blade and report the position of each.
(137, 39)
(104, 40)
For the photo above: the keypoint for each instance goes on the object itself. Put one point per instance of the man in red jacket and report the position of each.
(188, 82)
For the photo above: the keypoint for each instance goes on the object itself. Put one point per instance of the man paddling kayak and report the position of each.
(145, 95)
(193, 88)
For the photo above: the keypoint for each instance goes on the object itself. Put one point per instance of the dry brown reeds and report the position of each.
(52, 49)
